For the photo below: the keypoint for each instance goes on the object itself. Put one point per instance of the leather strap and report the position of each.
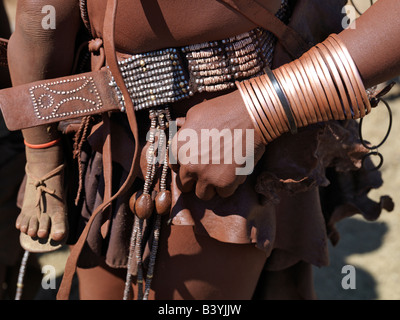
(291, 40)
(54, 100)
(107, 173)
(108, 31)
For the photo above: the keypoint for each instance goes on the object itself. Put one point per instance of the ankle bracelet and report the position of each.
(43, 145)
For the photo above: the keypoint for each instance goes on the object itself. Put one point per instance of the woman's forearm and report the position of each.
(374, 43)
(329, 81)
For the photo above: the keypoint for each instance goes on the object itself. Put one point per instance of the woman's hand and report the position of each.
(216, 147)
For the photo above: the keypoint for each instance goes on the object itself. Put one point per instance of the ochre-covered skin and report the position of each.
(374, 43)
(219, 214)
(164, 24)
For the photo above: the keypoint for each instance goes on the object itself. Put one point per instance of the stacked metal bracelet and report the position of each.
(323, 84)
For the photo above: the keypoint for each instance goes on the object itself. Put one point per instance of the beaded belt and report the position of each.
(169, 75)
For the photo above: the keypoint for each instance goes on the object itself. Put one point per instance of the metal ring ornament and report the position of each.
(357, 9)
(376, 153)
(373, 153)
(387, 133)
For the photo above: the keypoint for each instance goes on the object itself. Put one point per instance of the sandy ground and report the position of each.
(373, 248)
(10, 6)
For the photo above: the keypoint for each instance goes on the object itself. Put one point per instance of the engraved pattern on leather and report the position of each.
(79, 95)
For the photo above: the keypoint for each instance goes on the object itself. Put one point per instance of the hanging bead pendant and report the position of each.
(163, 202)
(142, 205)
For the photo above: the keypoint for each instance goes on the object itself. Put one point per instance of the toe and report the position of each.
(24, 223)
(44, 226)
(18, 221)
(33, 227)
(59, 227)
(58, 235)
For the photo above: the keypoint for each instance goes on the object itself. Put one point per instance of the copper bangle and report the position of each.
(275, 100)
(308, 90)
(325, 106)
(248, 105)
(265, 127)
(332, 91)
(283, 100)
(350, 74)
(267, 107)
(316, 86)
(265, 122)
(325, 85)
(270, 94)
(263, 110)
(355, 71)
(321, 91)
(339, 82)
(309, 111)
(347, 81)
(290, 93)
(295, 95)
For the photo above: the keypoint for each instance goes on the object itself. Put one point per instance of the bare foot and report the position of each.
(43, 214)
